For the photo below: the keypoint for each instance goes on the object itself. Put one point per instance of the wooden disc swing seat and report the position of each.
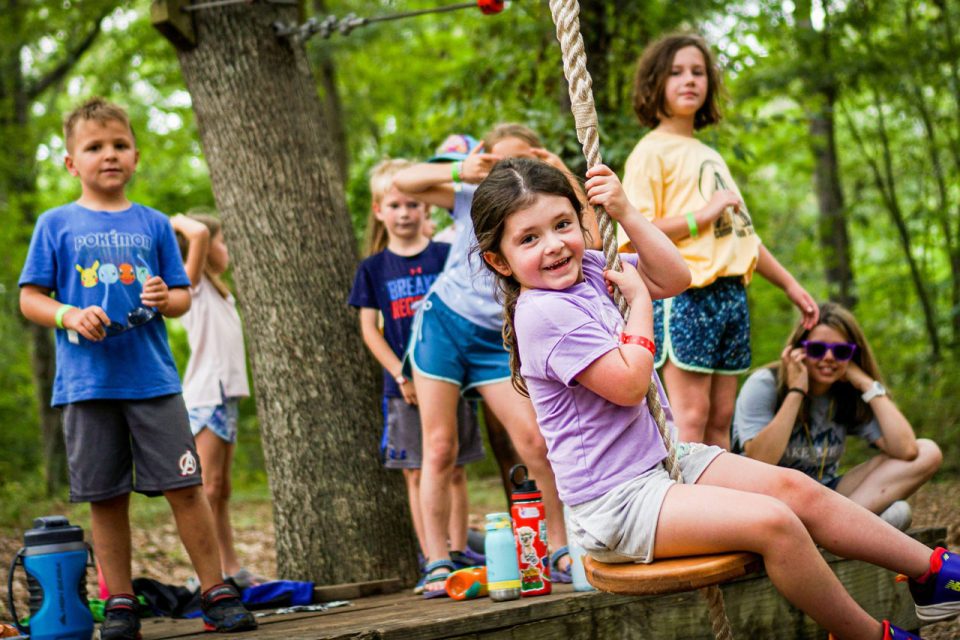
(675, 574)
(671, 575)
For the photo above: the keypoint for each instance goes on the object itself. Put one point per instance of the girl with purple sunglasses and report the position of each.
(797, 414)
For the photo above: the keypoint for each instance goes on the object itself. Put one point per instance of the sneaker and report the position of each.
(120, 618)
(467, 558)
(899, 514)
(223, 611)
(891, 632)
(244, 579)
(937, 593)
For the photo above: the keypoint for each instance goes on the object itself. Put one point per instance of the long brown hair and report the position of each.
(847, 407)
(653, 69)
(512, 185)
(214, 226)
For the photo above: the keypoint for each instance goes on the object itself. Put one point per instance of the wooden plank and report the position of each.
(354, 590)
(756, 611)
(176, 25)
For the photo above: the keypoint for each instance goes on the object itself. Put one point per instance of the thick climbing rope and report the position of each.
(566, 17)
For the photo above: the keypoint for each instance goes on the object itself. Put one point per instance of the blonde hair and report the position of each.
(98, 110)
(381, 181)
(213, 224)
(506, 130)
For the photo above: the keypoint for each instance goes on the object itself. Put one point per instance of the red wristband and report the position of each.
(646, 343)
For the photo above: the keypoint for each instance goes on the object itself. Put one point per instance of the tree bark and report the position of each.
(832, 231)
(886, 186)
(339, 516)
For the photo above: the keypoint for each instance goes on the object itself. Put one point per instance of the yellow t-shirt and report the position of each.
(668, 175)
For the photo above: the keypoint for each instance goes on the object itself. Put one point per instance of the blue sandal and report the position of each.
(556, 573)
(429, 577)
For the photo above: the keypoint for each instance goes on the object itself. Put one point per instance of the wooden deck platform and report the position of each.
(755, 609)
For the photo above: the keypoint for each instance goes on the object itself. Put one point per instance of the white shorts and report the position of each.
(621, 525)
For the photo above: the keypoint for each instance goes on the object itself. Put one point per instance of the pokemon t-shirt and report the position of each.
(395, 285)
(103, 258)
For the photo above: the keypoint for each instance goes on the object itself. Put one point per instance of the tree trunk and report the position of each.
(822, 86)
(339, 516)
(42, 362)
(832, 223)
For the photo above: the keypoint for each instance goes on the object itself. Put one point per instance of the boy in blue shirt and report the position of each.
(114, 268)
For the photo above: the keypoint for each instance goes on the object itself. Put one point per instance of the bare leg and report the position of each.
(438, 418)
(216, 459)
(503, 449)
(689, 394)
(700, 519)
(836, 523)
(111, 541)
(197, 531)
(882, 480)
(723, 396)
(518, 417)
(412, 479)
(459, 509)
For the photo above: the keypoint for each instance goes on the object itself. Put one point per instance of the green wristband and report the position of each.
(455, 169)
(692, 224)
(62, 311)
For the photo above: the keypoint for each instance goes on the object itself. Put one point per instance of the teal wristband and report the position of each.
(62, 311)
(455, 169)
(692, 225)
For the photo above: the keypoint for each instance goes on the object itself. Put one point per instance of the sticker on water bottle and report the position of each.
(529, 512)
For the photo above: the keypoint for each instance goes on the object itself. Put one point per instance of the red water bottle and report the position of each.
(530, 534)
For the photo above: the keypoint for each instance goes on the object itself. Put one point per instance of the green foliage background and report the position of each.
(405, 85)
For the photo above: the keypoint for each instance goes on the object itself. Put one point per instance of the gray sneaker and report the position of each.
(899, 514)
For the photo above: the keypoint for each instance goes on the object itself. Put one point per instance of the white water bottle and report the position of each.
(577, 571)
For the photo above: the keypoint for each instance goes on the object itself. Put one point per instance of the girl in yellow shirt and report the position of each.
(685, 188)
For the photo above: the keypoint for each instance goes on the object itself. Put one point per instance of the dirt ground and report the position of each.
(158, 553)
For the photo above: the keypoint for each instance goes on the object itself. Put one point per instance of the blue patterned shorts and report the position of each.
(705, 330)
(220, 419)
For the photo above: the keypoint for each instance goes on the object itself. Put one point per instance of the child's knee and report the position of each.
(531, 446)
(929, 457)
(440, 450)
(216, 488)
(796, 486)
(459, 475)
(184, 497)
(778, 524)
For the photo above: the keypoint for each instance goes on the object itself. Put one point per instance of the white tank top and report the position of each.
(217, 358)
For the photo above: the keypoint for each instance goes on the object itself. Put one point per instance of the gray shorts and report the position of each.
(401, 445)
(118, 446)
(621, 526)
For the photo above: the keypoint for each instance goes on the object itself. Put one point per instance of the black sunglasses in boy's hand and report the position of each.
(136, 318)
(842, 351)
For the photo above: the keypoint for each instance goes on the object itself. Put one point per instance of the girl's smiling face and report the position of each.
(827, 370)
(687, 84)
(542, 245)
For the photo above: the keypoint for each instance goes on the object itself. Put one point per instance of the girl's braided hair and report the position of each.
(513, 184)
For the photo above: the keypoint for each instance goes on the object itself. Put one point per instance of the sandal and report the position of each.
(430, 577)
(556, 573)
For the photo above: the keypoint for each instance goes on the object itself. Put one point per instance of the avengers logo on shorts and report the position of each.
(188, 464)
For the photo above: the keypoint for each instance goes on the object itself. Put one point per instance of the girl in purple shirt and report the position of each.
(587, 373)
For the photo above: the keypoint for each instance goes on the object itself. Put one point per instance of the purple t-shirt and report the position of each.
(593, 445)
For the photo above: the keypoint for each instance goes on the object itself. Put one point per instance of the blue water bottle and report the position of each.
(54, 557)
(503, 572)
